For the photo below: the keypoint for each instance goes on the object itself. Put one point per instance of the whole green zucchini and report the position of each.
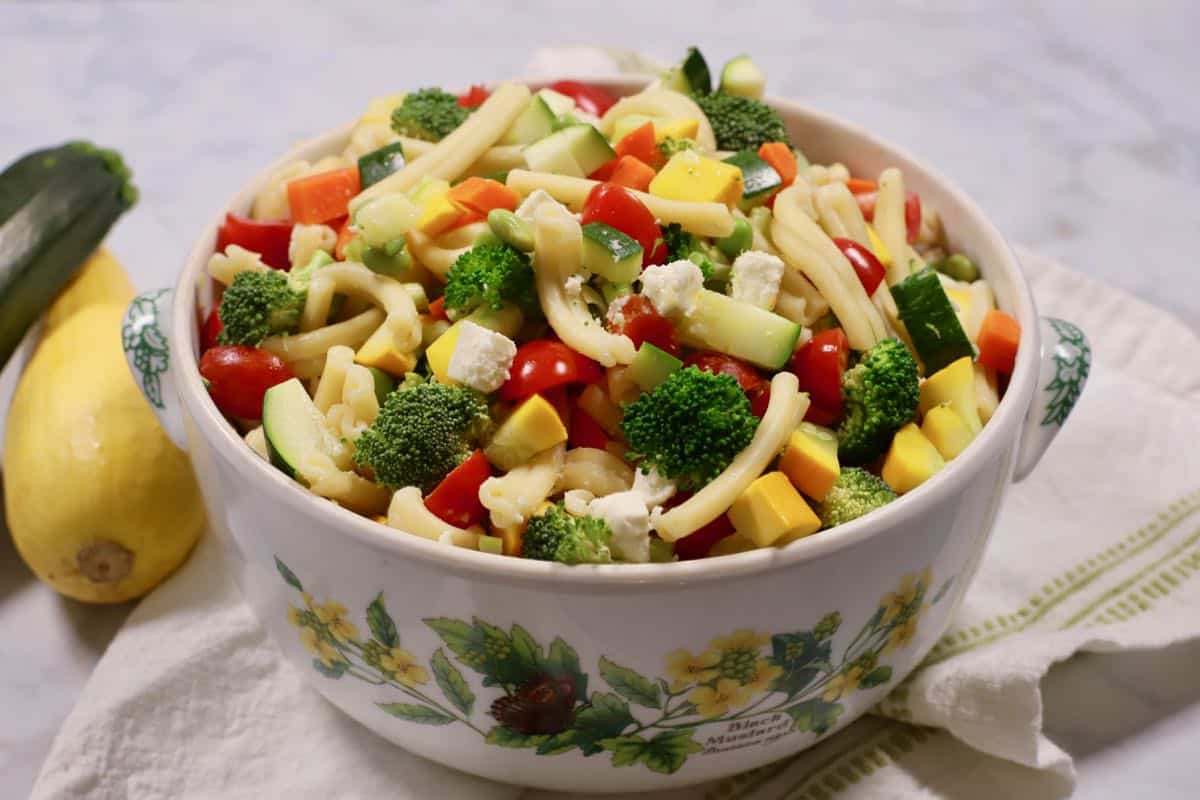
(56, 206)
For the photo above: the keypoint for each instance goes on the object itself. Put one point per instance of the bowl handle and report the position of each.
(1066, 360)
(148, 353)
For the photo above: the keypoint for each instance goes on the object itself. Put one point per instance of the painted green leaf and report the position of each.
(881, 674)
(626, 750)
(631, 685)
(289, 577)
(815, 715)
(335, 670)
(526, 652)
(507, 737)
(558, 743)
(452, 683)
(415, 713)
(465, 641)
(800, 655)
(665, 753)
(563, 660)
(607, 716)
(381, 624)
(941, 592)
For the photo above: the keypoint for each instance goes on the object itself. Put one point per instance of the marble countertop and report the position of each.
(1074, 125)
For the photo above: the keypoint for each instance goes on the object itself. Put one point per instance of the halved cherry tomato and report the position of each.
(456, 499)
(912, 216)
(209, 330)
(544, 364)
(268, 238)
(591, 99)
(641, 144)
(557, 397)
(698, 543)
(437, 309)
(616, 206)
(474, 97)
(757, 390)
(585, 431)
(870, 272)
(819, 365)
(641, 322)
(238, 377)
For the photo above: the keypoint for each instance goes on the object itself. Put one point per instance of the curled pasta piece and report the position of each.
(407, 512)
(355, 280)
(307, 240)
(358, 407)
(224, 267)
(784, 412)
(705, 219)
(659, 102)
(438, 255)
(799, 300)
(450, 158)
(597, 471)
(314, 344)
(558, 251)
(839, 214)
(338, 359)
(513, 497)
(271, 202)
(324, 478)
(500, 158)
(821, 174)
(893, 231)
(369, 135)
(806, 247)
(987, 391)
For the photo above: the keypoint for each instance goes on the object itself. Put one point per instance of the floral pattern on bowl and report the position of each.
(760, 686)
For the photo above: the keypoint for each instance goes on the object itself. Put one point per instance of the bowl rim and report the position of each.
(330, 519)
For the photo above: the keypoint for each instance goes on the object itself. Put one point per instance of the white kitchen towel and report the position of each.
(1096, 551)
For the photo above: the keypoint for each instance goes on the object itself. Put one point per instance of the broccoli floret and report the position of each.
(258, 304)
(428, 114)
(424, 430)
(681, 244)
(741, 123)
(489, 275)
(669, 146)
(856, 492)
(555, 535)
(880, 394)
(690, 426)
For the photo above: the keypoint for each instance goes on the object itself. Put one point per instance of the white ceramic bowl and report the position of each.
(613, 678)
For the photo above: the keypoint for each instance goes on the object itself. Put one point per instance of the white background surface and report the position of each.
(1075, 125)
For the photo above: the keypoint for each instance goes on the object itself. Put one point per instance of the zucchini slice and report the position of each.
(929, 317)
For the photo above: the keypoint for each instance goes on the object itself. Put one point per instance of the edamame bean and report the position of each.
(511, 229)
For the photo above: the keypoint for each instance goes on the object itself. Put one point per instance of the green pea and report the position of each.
(486, 238)
(511, 229)
(959, 267)
(738, 242)
(611, 291)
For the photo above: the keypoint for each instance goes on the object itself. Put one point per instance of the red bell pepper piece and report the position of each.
(456, 499)
(640, 321)
(268, 238)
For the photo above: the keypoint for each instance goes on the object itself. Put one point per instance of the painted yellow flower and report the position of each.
(308, 603)
(902, 635)
(764, 673)
(740, 640)
(684, 668)
(404, 667)
(294, 616)
(713, 701)
(842, 683)
(333, 614)
(323, 650)
(895, 602)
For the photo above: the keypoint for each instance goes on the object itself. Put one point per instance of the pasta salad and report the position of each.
(566, 326)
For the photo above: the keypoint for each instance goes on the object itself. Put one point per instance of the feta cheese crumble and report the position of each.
(673, 288)
(755, 278)
(626, 516)
(481, 357)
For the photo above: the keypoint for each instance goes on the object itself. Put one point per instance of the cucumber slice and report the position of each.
(691, 76)
(386, 219)
(929, 317)
(577, 150)
(651, 366)
(743, 78)
(558, 103)
(293, 426)
(611, 291)
(378, 164)
(535, 122)
(610, 253)
(384, 383)
(740, 330)
(759, 179)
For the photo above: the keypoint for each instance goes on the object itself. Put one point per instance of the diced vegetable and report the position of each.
(870, 272)
(323, 197)
(911, 460)
(691, 76)
(651, 366)
(759, 179)
(947, 431)
(771, 510)
(739, 329)
(999, 338)
(618, 207)
(811, 460)
(293, 426)
(379, 352)
(743, 78)
(268, 238)
(738, 242)
(511, 229)
(456, 499)
(959, 267)
(756, 389)
(384, 384)
(536, 122)
(631, 173)
(576, 150)
(819, 364)
(782, 158)
(953, 386)
(483, 196)
(239, 376)
(386, 219)
(529, 430)
(694, 178)
(474, 97)
(544, 364)
(638, 319)
(610, 253)
(930, 320)
(378, 164)
(642, 144)
(590, 99)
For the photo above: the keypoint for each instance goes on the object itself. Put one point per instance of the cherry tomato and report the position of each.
(268, 238)
(456, 499)
(591, 99)
(757, 390)
(238, 377)
(641, 322)
(585, 431)
(474, 97)
(912, 216)
(698, 543)
(870, 272)
(209, 330)
(616, 206)
(544, 364)
(819, 365)
(557, 397)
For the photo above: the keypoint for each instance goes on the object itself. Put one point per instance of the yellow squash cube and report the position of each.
(427, 189)
(438, 354)
(771, 509)
(947, 431)
(439, 215)
(692, 177)
(731, 544)
(953, 385)
(380, 352)
(380, 108)
(676, 129)
(911, 460)
(810, 460)
(881, 251)
(506, 320)
(529, 430)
